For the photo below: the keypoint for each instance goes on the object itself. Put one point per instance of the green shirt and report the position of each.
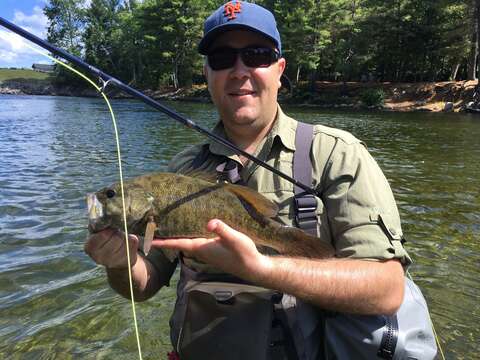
(357, 212)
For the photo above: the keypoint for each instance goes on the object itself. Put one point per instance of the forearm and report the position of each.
(345, 285)
(144, 278)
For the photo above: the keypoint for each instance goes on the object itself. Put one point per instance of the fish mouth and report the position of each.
(96, 220)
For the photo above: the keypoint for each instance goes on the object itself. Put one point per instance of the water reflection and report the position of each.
(55, 150)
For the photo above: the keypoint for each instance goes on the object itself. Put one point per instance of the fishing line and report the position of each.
(437, 339)
(151, 102)
(187, 122)
(117, 139)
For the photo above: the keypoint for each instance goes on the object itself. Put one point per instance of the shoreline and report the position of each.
(449, 96)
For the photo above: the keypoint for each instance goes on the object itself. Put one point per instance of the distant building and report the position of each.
(43, 68)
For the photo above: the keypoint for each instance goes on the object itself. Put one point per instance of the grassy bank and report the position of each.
(22, 75)
(25, 81)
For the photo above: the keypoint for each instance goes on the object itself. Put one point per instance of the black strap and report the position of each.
(305, 204)
(389, 338)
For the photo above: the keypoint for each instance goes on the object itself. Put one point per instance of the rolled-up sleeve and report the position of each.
(362, 213)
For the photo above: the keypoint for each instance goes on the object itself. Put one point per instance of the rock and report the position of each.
(448, 106)
(9, 91)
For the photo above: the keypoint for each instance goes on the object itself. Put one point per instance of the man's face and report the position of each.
(245, 96)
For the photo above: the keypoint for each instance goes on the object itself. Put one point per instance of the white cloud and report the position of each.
(8, 56)
(36, 23)
(13, 48)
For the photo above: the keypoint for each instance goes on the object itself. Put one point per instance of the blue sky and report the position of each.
(27, 14)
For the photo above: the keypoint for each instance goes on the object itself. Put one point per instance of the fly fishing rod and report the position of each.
(107, 80)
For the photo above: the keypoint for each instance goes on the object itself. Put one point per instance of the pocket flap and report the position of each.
(224, 291)
(389, 225)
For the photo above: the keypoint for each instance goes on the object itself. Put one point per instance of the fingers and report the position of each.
(108, 248)
(215, 226)
(223, 230)
(186, 245)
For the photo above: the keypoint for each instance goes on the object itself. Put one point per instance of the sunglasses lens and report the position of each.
(259, 57)
(222, 59)
(225, 58)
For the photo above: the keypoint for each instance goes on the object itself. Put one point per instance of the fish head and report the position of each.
(105, 207)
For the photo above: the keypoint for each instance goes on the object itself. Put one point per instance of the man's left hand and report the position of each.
(230, 251)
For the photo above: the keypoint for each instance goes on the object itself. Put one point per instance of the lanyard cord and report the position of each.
(120, 173)
(437, 339)
(149, 101)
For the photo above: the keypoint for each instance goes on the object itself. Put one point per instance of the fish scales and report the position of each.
(181, 206)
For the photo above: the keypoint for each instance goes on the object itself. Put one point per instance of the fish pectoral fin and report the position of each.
(256, 200)
(170, 254)
(149, 234)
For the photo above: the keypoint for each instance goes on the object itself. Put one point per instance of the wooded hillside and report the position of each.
(153, 43)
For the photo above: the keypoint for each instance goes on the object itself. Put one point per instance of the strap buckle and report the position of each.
(305, 217)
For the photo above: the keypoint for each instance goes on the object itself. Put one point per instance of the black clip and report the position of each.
(305, 217)
(229, 172)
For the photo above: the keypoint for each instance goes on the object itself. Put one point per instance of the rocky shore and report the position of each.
(454, 96)
(41, 87)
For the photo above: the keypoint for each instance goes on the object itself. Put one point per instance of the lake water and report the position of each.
(54, 301)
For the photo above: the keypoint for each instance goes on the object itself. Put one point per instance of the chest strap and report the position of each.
(305, 204)
(228, 171)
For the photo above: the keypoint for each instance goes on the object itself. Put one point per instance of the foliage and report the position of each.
(372, 97)
(153, 42)
(66, 25)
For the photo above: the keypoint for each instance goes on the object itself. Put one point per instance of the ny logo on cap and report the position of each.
(230, 9)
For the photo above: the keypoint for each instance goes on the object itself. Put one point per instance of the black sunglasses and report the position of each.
(225, 57)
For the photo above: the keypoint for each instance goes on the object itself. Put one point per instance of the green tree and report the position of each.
(129, 49)
(102, 22)
(171, 30)
(304, 36)
(475, 39)
(154, 42)
(66, 22)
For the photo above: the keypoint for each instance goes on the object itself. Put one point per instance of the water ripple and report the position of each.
(53, 151)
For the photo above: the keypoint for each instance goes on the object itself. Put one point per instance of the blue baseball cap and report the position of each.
(239, 15)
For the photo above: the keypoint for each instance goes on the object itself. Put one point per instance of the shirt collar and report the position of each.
(283, 128)
(220, 149)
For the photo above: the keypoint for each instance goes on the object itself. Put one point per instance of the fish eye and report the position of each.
(110, 193)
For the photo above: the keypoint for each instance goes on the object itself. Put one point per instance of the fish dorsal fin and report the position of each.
(259, 202)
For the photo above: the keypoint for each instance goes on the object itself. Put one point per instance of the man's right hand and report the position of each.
(108, 248)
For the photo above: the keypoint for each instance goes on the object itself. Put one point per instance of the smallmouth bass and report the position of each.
(167, 205)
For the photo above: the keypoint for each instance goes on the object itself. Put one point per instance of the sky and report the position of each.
(27, 14)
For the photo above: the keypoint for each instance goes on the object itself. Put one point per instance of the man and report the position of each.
(357, 212)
